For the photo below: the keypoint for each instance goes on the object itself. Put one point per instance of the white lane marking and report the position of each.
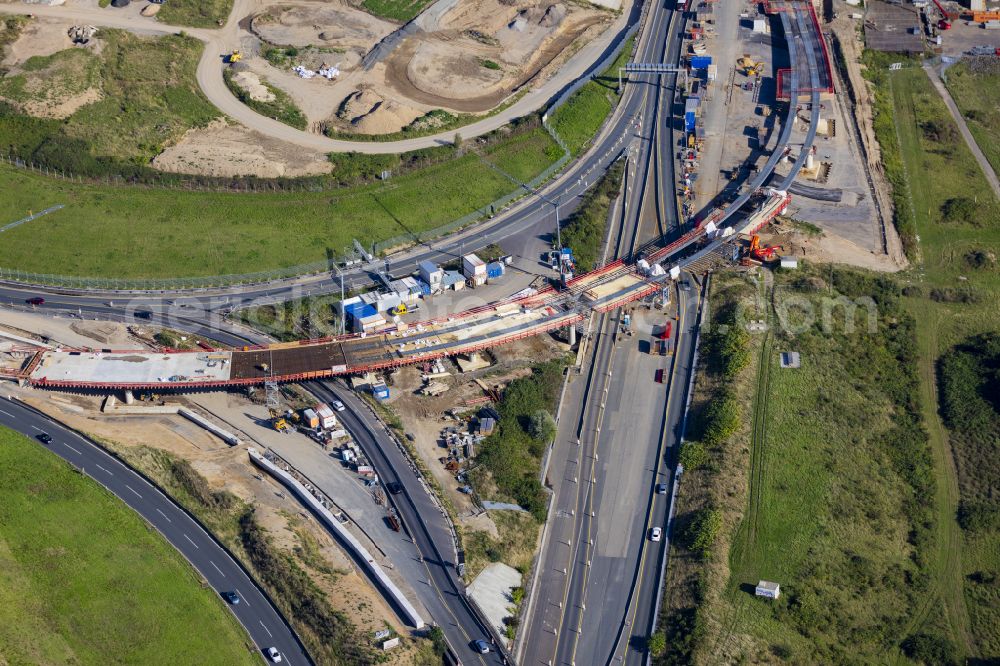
(77, 451)
(164, 515)
(189, 539)
(133, 490)
(243, 598)
(106, 470)
(266, 629)
(37, 428)
(7, 413)
(217, 568)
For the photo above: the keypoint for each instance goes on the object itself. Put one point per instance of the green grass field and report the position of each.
(395, 10)
(948, 250)
(977, 95)
(578, 120)
(135, 232)
(195, 13)
(83, 580)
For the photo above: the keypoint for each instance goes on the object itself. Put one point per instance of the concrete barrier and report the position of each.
(399, 600)
(224, 435)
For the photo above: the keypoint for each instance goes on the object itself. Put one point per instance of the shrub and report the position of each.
(702, 531)
(720, 420)
(542, 426)
(656, 644)
(959, 209)
(930, 650)
(693, 455)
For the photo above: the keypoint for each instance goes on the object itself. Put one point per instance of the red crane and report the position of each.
(944, 23)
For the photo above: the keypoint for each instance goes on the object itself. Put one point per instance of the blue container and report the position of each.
(494, 270)
(700, 62)
(380, 391)
(689, 121)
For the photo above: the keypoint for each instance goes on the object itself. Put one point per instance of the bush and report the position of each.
(702, 531)
(720, 420)
(656, 644)
(930, 650)
(693, 455)
(542, 426)
(584, 230)
(959, 209)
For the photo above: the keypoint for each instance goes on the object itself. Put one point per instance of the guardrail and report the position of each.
(360, 552)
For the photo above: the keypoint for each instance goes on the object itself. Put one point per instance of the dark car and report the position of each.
(35, 300)
(44, 438)
(661, 489)
(231, 597)
(394, 487)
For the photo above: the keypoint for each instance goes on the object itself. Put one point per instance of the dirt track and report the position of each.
(224, 40)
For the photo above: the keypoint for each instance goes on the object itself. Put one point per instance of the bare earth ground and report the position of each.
(228, 150)
(229, 468)
(66, 331)
(440, 68)
(424, 417)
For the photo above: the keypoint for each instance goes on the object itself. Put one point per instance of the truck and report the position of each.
(393, 522)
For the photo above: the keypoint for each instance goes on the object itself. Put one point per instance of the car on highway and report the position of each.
(274, 655)
(481, 646)
(655, 534)
(394, 487)
(44, 437)
(338, 406)
(231, 597)
(35, 300)
(661, 489)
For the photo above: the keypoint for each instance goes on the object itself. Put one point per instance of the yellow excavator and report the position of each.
(234, 57)
(750, 67)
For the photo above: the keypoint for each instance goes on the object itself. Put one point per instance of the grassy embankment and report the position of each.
(818, 478)
(976, 91)
(578, 120)
(86, 581)
(954, 299)
(148, 98)
(281, 108)
(291, 579)
(195, 13)
(235, 233)
(395, 10)
(586, 228)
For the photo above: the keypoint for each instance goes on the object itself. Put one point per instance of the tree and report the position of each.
(657, 644)
(542, 426)
(436, 636)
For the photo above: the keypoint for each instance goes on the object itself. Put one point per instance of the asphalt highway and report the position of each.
(442, 593)
(217, 567)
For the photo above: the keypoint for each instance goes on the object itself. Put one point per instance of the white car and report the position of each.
(338, 406)
(655, 534)
(274, 655)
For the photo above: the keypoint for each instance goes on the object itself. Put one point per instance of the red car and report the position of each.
(36, 300)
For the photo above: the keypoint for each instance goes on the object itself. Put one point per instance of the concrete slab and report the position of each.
(133, 367)
(492, 591)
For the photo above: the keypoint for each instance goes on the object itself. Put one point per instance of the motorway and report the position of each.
(221, 572)
(442, 593)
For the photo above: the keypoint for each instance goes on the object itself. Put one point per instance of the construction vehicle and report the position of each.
(399, 310)
(757, 254)
(234, 57)
(944, 23)
(750, 67)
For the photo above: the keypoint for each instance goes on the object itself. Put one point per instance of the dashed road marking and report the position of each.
(36, 428)
(189, 539)
(164, 515)
(106, 470)
(7, 413)
(77, 451)
(133, 490)
(266, 629)
(217, 568)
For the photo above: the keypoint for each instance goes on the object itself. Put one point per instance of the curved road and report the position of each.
(217, 567)
(223, 40)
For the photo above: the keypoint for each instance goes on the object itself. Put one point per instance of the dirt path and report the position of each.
(984, 164)
(224, 40)
(862, 116)
(948, 585)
